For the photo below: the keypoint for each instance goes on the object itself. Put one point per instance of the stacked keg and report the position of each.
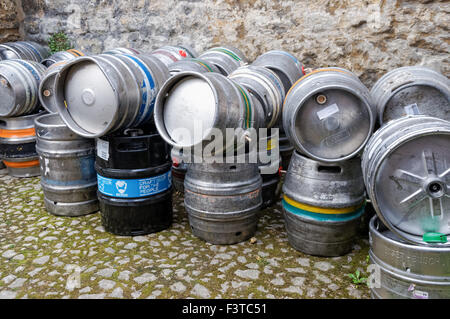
(19, 106)
(328, 116)
(222, 194)
(23, 50)
(407, 176)
(289, 69)
(111, 97)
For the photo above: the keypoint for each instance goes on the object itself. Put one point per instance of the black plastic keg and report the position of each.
(134, 182)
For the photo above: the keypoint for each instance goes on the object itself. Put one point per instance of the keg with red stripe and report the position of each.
(18, 145)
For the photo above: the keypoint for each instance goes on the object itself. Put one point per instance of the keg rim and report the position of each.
(63, 111)
(360, 97)
(38, 121)
(158, 112)
(408, 237)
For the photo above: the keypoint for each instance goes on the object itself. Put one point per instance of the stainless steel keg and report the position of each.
(61, 56)
(68, 176)
(23, 50)
(284, 64)
(191, 104)
(407, 175)
(328, 115)
(322, 205)
(411, 90)
(405, 271)
(172, 53)
(19, 83)
(131, 51)
(266, 87)
(191, 64)
(222, 201)
(179, 169)
(47, 95)
(18, 145)
(97, 95)
(225, 58)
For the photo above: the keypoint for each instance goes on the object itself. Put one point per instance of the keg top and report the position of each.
(189, 111)
(53, 120)
(412, 187)
(89, 96)
(332, 124)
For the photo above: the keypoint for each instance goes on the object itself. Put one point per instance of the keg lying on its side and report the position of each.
(411, 90)
(123, 51)
(222, 201)
(405, 271)
(98, 95)
(194, 65)
(225, 58)
(61, 56)
(406, 170)
(328, 115)
(68, 177)
(47, 95)
(23, 50)
(18, 145)
(191, 105)
(284, 64)
(322, 205)
(266, 87)
(134, 182)
(19, 84)
(172, 53)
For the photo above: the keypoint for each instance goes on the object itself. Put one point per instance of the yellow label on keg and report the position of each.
(270, 145)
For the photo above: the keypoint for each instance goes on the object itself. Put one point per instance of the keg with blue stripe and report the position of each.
(323, 204)
(102, 94)
(134, 182)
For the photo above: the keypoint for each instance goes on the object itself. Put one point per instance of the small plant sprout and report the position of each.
(59, 42)
(356, 278)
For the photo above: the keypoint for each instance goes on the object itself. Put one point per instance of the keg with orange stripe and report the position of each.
(323, 204)
(62, 56)
(328, 115)
(18, 145)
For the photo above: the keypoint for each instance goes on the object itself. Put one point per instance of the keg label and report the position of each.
(134, 188)
(412, 109)
(420, 294)
(103, 149)
(328, 111)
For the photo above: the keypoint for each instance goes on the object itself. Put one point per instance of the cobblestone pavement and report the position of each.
(43, 256)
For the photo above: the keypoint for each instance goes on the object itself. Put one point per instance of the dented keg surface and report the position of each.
(266, 87)
(23, 50)
(18, 145)
(19, 84)
(191, 104)
(328, 115)
(322, 205)
(269, 163)
(134, 182)
(225, 58)
(123, 51)
(98, 95)
(169, 54)
(194, 65)
(405, 271)
(222, 201)
(284, 64)
(61, 56)
(411, 90)
(407, 175)
(68, 177)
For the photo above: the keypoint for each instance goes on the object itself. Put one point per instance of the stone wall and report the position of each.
(10, 16)
(368, 37)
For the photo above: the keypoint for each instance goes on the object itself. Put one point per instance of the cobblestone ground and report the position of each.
(41, 256)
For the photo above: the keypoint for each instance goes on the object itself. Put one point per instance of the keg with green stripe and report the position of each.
(192, 107)
(101, 94)
(225, 58)
(323, 204)
(194, 65)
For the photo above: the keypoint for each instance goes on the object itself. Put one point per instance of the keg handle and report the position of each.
(133, 132)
